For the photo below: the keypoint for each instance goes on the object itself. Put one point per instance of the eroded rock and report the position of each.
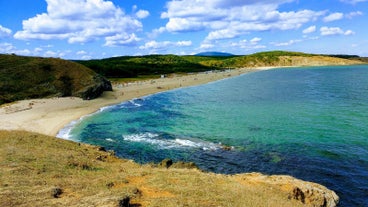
(308, 193)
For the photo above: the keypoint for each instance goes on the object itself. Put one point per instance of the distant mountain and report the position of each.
(216, 54)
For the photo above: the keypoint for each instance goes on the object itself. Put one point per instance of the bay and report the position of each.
(310, 123)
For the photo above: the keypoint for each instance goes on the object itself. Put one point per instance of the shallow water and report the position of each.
(310, 123)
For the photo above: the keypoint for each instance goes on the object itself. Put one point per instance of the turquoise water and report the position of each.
(310, 123)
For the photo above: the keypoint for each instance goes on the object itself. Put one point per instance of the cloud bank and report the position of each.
(4, 32)
(81, 21)
(225, 19)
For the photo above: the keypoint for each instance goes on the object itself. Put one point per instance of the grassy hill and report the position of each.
(35, 77)
(37, 170)
(135, 66)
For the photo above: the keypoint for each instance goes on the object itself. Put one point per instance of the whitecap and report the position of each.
(157, 140)
(64, 133)
(134, 102)
(105, 108)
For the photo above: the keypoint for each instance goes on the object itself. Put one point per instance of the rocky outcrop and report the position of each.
(95, 89)
(311, 194)
(168, 163)
(314, 61)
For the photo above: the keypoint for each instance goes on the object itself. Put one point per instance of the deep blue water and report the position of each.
(311, 123)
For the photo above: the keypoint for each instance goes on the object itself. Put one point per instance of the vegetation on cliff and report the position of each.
(135, 66)
(39, 170)
(35, 77)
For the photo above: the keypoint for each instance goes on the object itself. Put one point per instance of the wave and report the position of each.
(65, 133)
(158, 140)
(134, 102)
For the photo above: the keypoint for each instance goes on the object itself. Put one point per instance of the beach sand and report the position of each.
(48, 116)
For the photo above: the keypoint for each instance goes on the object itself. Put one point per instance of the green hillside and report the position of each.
(35, 77)
(134, 66)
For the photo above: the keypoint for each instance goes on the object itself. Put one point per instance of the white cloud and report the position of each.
(222, 34)
(86, 57)
(183, 25)
(206, 46)
(226, 19)
(349, 32)
(310, 29)
(50, 53)
(156, 32)
(183, 43)
(81, 52)
(79, 21)
(122, 40)
(38, 49)
(354, 14)
(24, 52)
(255, 40)
(48, 46)
(248, 45)
(6, 48)
(4, 32)
(141, 14)
(153, 45)
(353, 1)
(283, 44)
(333, 17)
(327, 31)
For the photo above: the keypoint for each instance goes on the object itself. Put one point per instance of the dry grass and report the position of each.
(34, 166)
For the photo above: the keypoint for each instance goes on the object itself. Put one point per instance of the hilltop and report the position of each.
(35, 77)
(136, 66)
(39, 170)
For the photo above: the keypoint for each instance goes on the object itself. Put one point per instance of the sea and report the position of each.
(309, 122)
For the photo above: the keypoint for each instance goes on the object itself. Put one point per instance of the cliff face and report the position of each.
(288, 60)
(308, 193)
(315, 61)
(34, 77)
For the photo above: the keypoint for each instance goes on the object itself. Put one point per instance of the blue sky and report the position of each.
(85, 29)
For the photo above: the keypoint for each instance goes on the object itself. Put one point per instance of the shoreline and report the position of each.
(50, 115)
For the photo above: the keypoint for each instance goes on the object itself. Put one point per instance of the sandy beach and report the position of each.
(49, 116)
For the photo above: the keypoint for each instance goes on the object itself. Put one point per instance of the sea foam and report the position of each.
(159, 141)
